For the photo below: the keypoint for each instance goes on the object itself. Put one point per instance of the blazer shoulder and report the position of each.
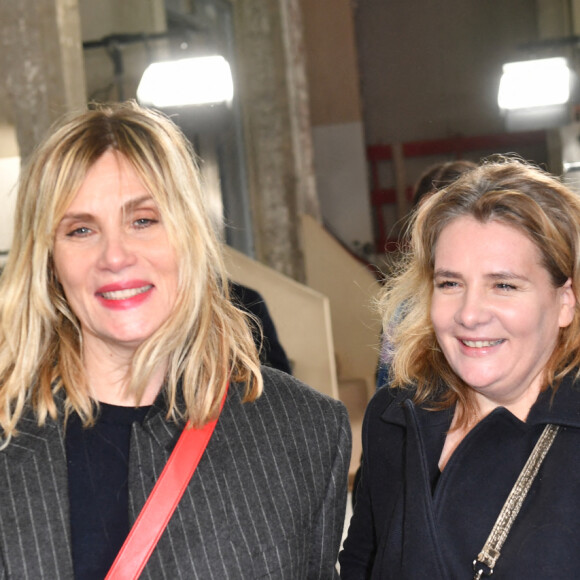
(292, 404)
(289, 390)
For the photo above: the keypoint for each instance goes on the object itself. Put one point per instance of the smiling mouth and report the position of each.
(126, 294)
(482, 343)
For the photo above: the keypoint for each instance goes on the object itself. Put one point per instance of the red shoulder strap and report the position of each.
(162, 501)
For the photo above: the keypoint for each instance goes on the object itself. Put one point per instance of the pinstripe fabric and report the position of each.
(34, 516)
(267, 500)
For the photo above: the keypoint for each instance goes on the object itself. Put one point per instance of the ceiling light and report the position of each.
(534, 83)
(190, 81)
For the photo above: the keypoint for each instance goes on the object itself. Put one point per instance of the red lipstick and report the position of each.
(124, 295)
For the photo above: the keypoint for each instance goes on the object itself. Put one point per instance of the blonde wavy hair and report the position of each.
(206, 340)
(506, 190)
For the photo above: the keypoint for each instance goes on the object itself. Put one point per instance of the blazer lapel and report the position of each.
(34, 510)
(187, 544)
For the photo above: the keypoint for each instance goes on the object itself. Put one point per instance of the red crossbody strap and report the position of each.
(162, 502)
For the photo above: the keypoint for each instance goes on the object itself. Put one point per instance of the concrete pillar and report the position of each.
(41, 63)
(554, 18)
(274, 96)
(575, 6)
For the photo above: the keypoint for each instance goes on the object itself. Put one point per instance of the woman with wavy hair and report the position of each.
(116, 329)
(484, 377)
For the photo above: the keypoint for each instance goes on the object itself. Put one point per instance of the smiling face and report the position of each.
(113, 258)
(495, 310)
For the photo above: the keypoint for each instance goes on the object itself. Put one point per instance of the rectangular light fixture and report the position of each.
(534, 83)
(189, 81)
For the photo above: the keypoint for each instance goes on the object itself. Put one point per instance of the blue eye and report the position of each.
(505, 286)
(144, 222)
(446, 284)
(79, 232)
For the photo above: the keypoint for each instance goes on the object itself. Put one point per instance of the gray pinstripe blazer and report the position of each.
(267, 500)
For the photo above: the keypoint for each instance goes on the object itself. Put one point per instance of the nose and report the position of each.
(116, 252)
(473, 309)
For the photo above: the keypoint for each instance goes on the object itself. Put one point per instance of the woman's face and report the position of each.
(113, 258)
(495, 311)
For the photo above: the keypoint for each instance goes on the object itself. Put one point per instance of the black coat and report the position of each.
(411, 522)
(271, 351)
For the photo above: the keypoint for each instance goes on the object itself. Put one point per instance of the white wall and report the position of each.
(341, 181)
(9, 170)
(302, 319)
(352, 290)
(336, 117)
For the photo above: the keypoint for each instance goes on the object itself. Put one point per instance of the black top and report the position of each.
(98, 459)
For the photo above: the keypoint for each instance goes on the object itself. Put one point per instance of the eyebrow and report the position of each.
(131, 204)
(501, 275)
(445, 274)
(507, 275)
(128, 206)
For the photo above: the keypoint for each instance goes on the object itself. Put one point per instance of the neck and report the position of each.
(519, 404)
(108, 375)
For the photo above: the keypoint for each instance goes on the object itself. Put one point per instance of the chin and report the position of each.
(132, 340)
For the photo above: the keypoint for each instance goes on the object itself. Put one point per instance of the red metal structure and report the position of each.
(451, 148)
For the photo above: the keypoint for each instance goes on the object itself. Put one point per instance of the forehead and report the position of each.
(490, 245)
(110, 180)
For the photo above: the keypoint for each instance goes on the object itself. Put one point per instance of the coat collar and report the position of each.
(166, 432)
(32, 437)
(560, 408)
(395, 411)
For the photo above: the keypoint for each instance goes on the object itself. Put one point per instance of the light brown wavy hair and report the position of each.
(506, 190)
(206, 340)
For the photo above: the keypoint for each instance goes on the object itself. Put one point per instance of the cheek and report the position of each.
(533, 321)
(69, 272)
(441, 315)
(60, 269)
(168, 264)
(173, 263)
(168, 277)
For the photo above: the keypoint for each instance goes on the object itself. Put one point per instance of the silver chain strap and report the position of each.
(488, 556)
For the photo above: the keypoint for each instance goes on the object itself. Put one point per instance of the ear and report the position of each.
(567, 304)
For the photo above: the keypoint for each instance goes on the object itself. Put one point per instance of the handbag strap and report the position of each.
(490, 552)
(162, 501)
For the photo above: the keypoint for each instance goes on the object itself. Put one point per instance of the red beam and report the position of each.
(382, 196)
(379, 152)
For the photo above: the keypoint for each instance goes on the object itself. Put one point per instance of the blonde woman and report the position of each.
(116, 328)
